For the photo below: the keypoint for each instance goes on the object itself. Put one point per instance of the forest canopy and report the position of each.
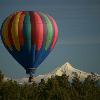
(55, 88)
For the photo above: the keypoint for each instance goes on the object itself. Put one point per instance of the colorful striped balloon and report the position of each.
(29, 36)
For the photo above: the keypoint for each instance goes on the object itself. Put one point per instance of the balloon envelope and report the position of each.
(29, 37)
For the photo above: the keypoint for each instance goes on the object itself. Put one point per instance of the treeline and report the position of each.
(55, 88)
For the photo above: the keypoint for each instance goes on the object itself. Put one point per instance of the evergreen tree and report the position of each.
(10, 90)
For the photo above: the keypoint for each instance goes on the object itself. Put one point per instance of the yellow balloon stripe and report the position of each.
(14, 31)
(5, 32)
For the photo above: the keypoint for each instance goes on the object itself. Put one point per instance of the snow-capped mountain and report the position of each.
(70, 71)
(67, 69)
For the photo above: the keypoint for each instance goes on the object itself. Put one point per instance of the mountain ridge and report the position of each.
(66, 68)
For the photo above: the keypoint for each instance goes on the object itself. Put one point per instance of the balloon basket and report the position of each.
(31, 79)
(31, 72)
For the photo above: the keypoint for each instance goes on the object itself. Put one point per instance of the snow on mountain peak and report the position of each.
(64, 69)
(70, 71)
(67, 66)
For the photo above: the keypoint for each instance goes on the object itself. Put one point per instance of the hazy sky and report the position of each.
(79, 34)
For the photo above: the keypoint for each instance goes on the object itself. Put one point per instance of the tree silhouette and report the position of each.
(55, 88)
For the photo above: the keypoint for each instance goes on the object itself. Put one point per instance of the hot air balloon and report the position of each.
(29, 36)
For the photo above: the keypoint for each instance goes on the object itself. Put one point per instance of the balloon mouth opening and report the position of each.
(30, 71)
